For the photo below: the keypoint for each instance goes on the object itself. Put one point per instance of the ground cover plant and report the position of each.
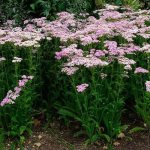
(84, 70)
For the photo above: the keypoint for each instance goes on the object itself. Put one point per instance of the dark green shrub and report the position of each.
(22, 9)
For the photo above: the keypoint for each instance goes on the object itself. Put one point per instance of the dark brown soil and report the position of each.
(59, 141)
(54, 138)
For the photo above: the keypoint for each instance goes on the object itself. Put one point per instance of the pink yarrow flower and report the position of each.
(12, 95)
(99, 53)
(147, 83)
(69, 70)
(81, 87)
(141, 70)
(2, 59)
(128, 67)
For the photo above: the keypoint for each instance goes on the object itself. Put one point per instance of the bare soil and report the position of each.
(55, 138)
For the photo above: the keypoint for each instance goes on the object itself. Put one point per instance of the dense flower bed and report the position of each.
(104, 61)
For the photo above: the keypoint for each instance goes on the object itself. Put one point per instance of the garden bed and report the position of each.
(54, 138)
(85, 71)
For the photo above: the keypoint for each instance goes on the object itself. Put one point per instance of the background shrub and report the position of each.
(22, 9)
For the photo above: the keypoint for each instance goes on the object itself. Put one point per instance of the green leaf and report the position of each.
(136, 129)
(68, 113)
(13, 133)
(32, 7)
(106, 137)
(94, 138)
(124, 127)
(22, 129)
(77, 134)
(22, 139)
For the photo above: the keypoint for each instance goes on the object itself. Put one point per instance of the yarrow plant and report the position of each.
(95, 62)
(12, 95)
(16, 100)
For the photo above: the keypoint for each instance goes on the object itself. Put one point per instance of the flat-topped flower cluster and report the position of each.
(88, 30)
(110, 23)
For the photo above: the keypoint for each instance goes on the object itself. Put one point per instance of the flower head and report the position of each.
(141, 70)
(147, 83)
(82, 87)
